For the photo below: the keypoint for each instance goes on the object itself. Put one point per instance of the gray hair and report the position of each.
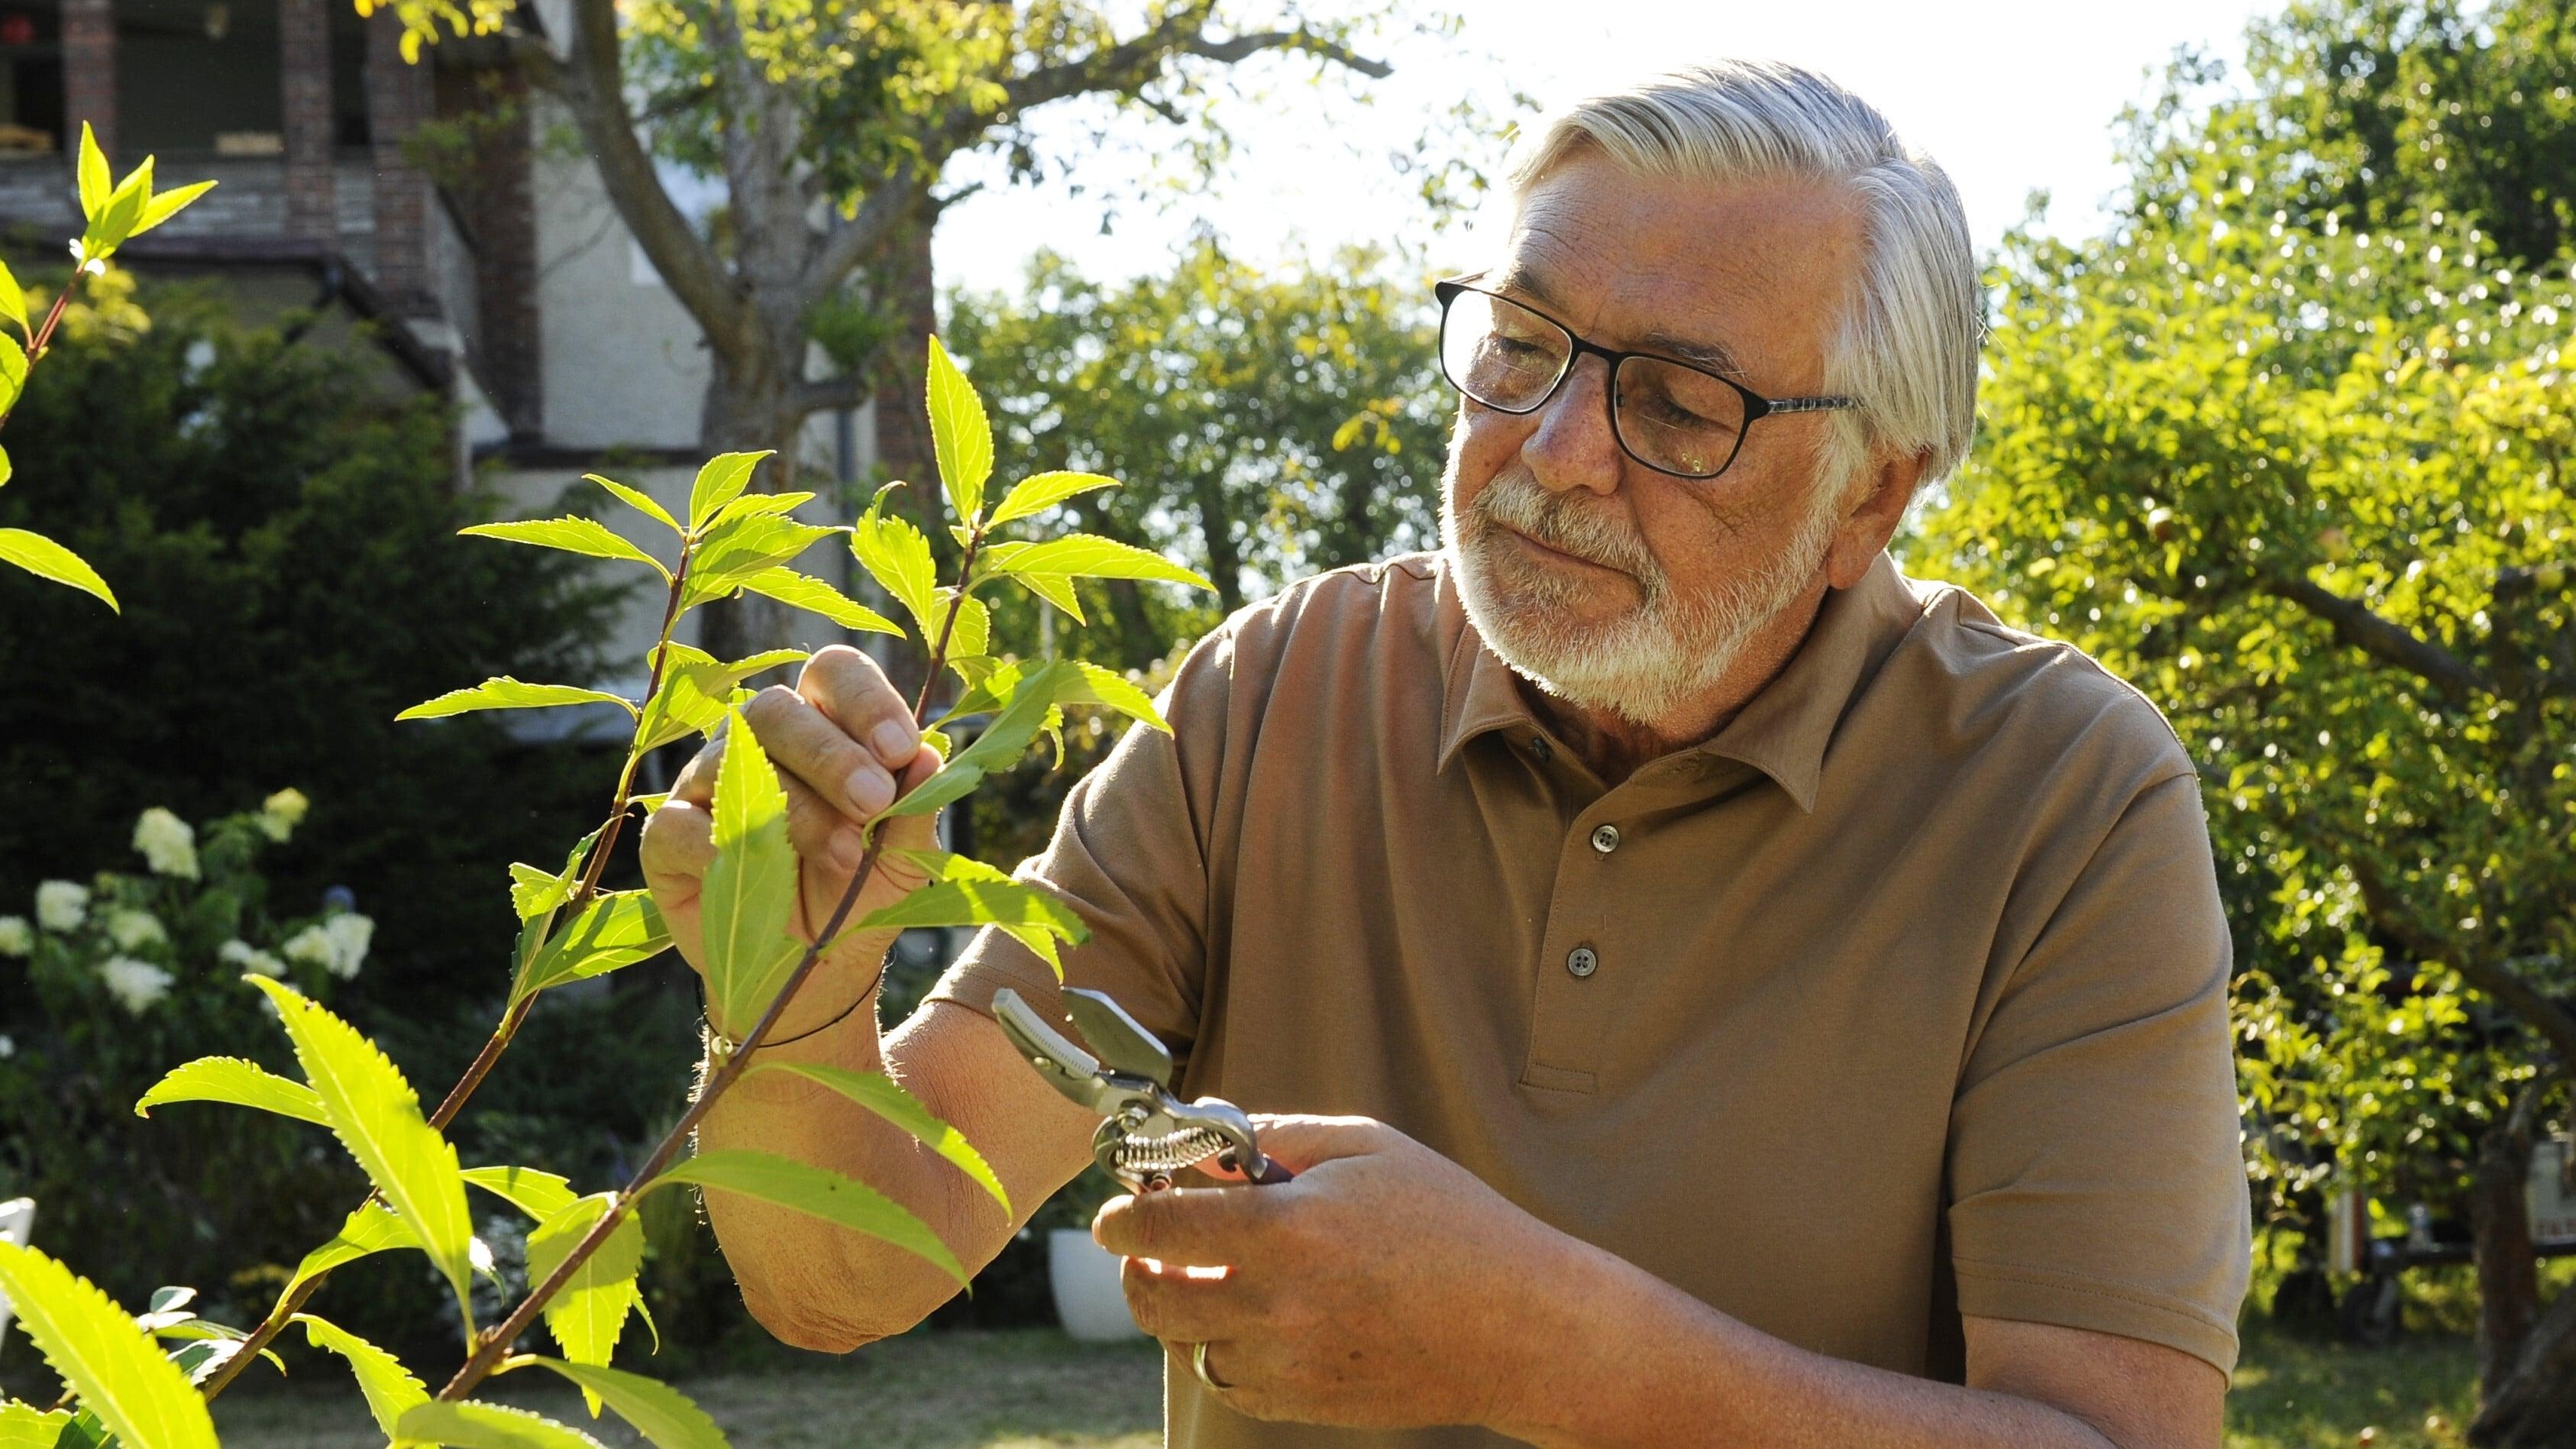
(1907, 347)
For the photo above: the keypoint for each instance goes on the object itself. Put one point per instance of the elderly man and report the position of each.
(1715, 990)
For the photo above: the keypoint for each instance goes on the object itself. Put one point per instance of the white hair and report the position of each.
(1907, 346)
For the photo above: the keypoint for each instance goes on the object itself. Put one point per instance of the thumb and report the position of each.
(1302, 1140)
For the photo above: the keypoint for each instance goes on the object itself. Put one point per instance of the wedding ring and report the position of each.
(1198, 1365)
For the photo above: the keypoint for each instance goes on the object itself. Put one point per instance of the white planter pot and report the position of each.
(1084, 1276)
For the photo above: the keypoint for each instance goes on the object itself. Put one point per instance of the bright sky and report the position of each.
(2009, 95)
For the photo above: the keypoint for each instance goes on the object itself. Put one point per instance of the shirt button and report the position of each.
(1606, 839)
(1581, 962)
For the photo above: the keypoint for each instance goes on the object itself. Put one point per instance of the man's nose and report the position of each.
(1573, 447)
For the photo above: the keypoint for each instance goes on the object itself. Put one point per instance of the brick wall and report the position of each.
(304, 44)
(397, 102)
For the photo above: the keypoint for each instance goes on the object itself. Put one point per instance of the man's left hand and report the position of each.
(1385, 1287)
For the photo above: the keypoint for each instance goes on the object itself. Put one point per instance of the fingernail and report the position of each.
(847, 847)
(870, 788)
(895, 742)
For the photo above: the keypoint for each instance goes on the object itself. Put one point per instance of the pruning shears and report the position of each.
(1146, 1133)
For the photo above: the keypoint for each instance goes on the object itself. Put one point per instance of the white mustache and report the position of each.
(1515, 500)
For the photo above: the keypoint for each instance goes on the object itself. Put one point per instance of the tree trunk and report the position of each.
(2526, 1358)
(748, 410)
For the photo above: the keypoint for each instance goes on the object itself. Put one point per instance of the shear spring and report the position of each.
(1169, 1153)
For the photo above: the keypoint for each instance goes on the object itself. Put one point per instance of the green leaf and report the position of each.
(897, 556)
(116, 1368)
(47, 559)
(694, 688)
(765, 504)
(589, 1313)
(533, 892)
(507, 693)
(737, 549)
(809, 1189)
(720, 481)
(1041, 491)
(390, 1388)
(373, 1228)
(1089, 556)
(7, 468)
(376, 1116)
(124, 209)
(1057, 589)
(471, 1425)
(639, 500)
(95, 187)
(940, 865)
(748, 898)
(979, 903)
(24, 1426)
(1003, 741)
(572, 534)
(880, 1094)
(615, 929)
(662, 1414)
(231, 1079)
(960, 433)
(13, 303)
(1108, 687)
(953, 782)
(540, 1195)
(802, 591)
(165, 205)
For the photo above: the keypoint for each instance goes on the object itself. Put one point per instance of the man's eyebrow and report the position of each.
(1715, 356)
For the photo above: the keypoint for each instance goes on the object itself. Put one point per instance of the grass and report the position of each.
(1036, 1389)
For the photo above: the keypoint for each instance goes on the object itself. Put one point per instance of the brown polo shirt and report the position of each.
(1904, 996)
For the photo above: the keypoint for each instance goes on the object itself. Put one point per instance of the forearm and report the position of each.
(810, 1282)
(1623, 1358)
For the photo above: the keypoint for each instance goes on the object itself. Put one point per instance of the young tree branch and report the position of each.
(2554, 1021)
(849, 243)
(2391, 643)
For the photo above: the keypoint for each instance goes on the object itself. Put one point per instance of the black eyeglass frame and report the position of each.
(1756, 406)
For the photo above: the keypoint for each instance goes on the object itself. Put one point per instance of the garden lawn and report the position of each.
(1035, 1389)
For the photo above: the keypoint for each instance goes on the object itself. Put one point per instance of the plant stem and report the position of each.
(496, 1343)
(484, 1060)
(44, 337)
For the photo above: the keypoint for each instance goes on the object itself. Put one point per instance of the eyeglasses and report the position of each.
(1671, 416)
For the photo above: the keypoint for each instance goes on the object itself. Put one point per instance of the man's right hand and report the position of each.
(846, 747)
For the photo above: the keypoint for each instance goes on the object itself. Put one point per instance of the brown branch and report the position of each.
(2391, 643)
(2497, 979)
(835, 394)
(890, 203)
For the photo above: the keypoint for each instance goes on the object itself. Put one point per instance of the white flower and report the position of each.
(280, 813)
(138, 984)
(167, 842)
(17, 938)
(133, 930)
(349, 934)
(61, 905)
(309, 945)
(251, 958)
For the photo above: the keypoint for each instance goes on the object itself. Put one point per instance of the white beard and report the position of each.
(1648, 662)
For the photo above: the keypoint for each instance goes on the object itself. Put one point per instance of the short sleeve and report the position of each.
(1129, 854)
(2096, 1174)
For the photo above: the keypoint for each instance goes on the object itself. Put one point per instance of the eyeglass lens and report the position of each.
(1671, 417)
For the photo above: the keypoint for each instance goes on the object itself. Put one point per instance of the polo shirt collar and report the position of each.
(1782, 731)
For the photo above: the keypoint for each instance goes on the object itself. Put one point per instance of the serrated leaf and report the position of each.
(748, 897)
(959, 433)
(972, 633)
(802, 591)
(1089, 556)
(540, 1195)
(1109, 688)
(637, 499)
(373, 1228)
(587, 1316)
(472, 1425)
(507, 693)
(662, 1414)
(116, 220)
(242, 1083)
(737, 549)
(95, 187)
(882, 1095)
(534, 892)
(814, 1191)
(615, 929)
(720, 481)
(1003, 741)
(390, 1389)
(953, 782)
(47, 559)
(24, 1426)
(376, 1116)
(1041, 491)
(13, 303)
(116, 1368)
(897, 556)
(749, 504)
(966, 902)
(695, 687)
(8, 469)
(164, 205)
(571, 534)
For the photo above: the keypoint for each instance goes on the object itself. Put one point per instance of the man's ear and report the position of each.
(1874, 518)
